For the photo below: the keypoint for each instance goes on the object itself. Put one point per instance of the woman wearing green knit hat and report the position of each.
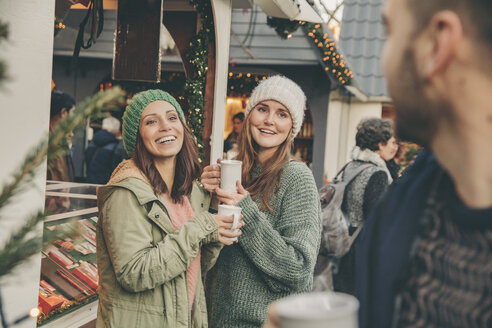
(277, 251)
(155, 236)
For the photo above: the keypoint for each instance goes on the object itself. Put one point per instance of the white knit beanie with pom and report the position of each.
(286, 92)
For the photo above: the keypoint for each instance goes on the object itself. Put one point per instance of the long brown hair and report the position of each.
(268, 181)
(186, 171)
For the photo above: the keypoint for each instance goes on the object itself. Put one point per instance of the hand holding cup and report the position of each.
(229, 227)
(210, 177)
(230, 197)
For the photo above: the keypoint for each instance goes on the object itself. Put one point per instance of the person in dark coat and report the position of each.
(424, 256)
(233, 137)
(104, 152)
(60, 168)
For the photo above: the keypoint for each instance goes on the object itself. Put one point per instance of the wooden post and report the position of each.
(209, 103)
(137, 53)
(222, 11)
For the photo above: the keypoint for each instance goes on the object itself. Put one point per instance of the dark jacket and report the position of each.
(383, 250)
(102, 157)
(394, 168)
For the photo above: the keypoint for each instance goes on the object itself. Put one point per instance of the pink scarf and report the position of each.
(181, 213)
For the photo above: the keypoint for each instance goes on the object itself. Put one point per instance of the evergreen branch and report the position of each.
(100, 102)
(4, 33)
(20, 244)
(19, 247)
(54, 146)
(24, 175)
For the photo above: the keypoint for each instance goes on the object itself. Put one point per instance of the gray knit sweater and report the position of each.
(275, 256)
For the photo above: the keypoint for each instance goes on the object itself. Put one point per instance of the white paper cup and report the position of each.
(318, 310)
(230, 172)
(229, 210)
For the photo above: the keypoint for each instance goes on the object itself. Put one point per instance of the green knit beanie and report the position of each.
(133, 113)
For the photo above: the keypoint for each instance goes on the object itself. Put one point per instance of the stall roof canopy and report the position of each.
(253, 42)
(362, 39)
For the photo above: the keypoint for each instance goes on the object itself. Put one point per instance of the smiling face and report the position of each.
(237, 125)
(270, 124)
(161, 130)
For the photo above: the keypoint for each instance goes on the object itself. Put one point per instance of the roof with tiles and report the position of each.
(362, 39)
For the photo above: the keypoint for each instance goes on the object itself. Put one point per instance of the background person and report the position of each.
(154, 234)
(60, 168)
(233, 137)
(276, 254)
(425, 252)
(104, 152)
(375, 144)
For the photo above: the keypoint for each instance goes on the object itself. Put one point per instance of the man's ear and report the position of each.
(63, 113)
(445, 31)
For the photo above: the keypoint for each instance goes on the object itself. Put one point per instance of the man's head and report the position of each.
(237, 122)
(61, 105)
(111, 124)
(432, 47)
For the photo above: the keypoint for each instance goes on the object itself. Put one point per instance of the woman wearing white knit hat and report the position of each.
(277, 251)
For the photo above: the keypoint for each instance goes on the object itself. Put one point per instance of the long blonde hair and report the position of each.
(268, 181)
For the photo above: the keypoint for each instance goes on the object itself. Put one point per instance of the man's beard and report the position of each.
(416, 115)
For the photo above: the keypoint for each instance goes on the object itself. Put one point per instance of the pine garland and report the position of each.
(283, 27)
(332, 59)
(241, 85)
(59, 25)
(197, 55)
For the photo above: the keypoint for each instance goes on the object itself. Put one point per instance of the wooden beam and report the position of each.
(182, 26)
(209, 103)
(222, 11)
(137, 53)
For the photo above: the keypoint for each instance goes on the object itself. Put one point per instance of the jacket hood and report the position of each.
(368, 155)
(103, 137)
(127, 175)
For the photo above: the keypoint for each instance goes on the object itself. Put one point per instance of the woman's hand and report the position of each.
(273, 320)
(211, 177)
(231, 198)
(225, 225)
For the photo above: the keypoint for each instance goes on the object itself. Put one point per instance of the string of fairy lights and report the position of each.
(332, 59)
(59, 25)
(241, 84)
(330, 53)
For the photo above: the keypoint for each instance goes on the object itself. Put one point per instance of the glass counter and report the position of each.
(67, 290)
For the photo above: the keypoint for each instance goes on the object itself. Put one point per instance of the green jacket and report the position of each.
(142, 260)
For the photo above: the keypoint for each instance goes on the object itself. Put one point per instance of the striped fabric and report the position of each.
(450, 282)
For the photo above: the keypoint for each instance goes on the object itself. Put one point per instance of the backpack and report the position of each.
(335, 238)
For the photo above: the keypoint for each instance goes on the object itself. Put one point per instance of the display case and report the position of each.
(67, 290)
